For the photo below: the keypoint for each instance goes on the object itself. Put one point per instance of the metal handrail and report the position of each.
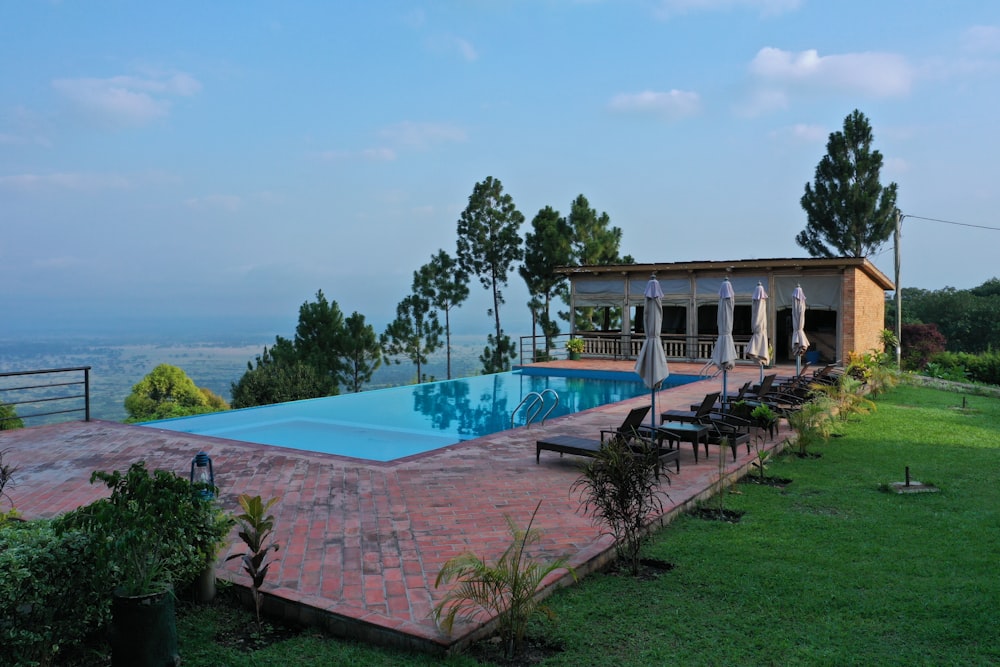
(554, 405)
(85, 383)
(535, 406)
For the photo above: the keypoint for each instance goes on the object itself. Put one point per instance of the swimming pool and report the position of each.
(387, 424)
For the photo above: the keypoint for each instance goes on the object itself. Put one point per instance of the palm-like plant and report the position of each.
(621, 486)
(505, 589)
(812, 422)
(256, 526)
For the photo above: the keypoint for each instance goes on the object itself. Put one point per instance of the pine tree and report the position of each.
(548, 246)
(488, 246)
(848, 211)
(445, 286)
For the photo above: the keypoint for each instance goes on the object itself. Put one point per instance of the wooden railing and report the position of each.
(48, 396)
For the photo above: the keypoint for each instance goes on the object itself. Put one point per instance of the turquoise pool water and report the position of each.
(387, 424)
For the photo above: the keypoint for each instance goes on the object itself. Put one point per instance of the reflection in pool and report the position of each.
(387, 424)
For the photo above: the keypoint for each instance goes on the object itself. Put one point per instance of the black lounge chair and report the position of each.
(693, 415)
(632, 431)
(735, 431)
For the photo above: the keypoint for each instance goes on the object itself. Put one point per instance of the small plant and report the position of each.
(256, 526)
(9, 419)
(812, 423)
(762, 455)
(505, 589)
(7, 472)
(621, 486)
(575, 345)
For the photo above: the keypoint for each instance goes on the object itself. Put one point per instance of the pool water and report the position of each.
(387, 424)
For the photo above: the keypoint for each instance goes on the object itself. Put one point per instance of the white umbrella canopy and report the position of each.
(651, 364)
(800, 344)
(757, 348)
(724, 353)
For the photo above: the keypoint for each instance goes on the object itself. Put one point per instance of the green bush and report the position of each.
(963, 366)
(155, 529)
(52, 593)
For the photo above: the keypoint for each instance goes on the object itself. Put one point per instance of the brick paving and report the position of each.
(362, 542)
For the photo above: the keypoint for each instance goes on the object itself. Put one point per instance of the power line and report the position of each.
(952, 222)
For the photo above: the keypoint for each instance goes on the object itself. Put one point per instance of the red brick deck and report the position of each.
(362, 542)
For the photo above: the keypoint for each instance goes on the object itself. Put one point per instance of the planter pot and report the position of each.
(203, 588)
(574, 356)
(144, 631)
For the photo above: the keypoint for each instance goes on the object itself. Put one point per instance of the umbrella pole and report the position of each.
(762, 372)
(798, 365)
(725, 395)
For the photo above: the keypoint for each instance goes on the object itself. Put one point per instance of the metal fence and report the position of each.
(45, 393)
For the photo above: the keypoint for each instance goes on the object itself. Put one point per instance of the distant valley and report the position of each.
(215, 365)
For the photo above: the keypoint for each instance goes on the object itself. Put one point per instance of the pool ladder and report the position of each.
(537, 402)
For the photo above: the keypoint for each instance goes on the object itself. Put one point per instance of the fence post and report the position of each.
(86, 393)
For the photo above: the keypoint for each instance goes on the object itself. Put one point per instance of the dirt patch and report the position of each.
(716, 514)
(767, 480)
(536, 650)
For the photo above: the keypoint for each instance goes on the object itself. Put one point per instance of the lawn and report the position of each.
(833, 569)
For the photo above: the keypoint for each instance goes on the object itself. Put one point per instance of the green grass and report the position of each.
(830, 570)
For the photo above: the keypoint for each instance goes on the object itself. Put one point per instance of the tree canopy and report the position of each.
(966, 318)
(414, 333)
(445, 286)
(276, 380)
(168, 392)
(488, 246)
(546, 247)
(848, 212)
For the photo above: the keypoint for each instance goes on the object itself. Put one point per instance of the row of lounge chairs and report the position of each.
(708, 422)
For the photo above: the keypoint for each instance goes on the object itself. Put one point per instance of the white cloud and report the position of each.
(668, 8)
(673, 104)
(126, 100)
(74, 181)
(423, 135)
(877, 74)
(802, 133)
(982, 39)
(228, 203)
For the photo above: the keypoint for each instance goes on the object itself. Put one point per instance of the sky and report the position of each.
(165, 162)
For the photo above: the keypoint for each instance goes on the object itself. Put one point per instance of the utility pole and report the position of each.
(899, 294)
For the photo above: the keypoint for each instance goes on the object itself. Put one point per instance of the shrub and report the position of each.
(621, 485)
(154, 529)
(920, 342)
(52, 593)
(8, 418)
(505, 589)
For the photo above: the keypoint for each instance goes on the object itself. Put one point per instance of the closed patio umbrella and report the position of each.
(757, 348)
(651, 364)
(800, 344)
(724, 353)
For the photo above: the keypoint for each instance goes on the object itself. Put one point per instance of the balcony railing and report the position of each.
(56, 391)
(612, 346)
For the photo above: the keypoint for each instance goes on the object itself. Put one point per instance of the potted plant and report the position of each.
(575, 347)
(152, 535)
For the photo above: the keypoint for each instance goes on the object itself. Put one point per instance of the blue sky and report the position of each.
(226, 160)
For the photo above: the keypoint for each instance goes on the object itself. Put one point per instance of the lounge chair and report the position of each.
(734, 430)
(632, 430)
(694, 414)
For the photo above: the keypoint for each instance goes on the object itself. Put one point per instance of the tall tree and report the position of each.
(489, 244)
(595, 242)
(547, 246)
(320, 338)
(445, 285)
(848, 211)
(414, 334)
(168, 392)
(362, 350)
